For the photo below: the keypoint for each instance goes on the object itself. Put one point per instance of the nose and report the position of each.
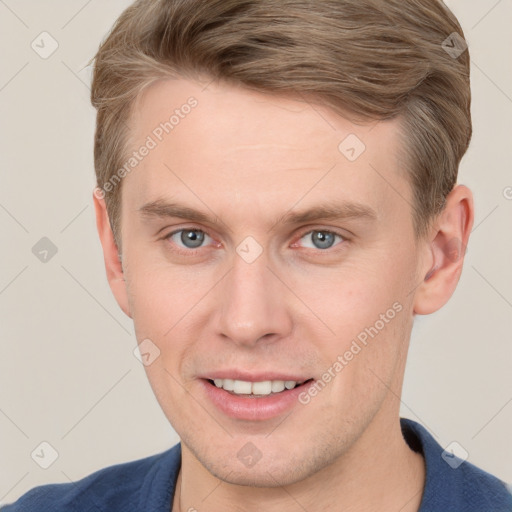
(253, 304)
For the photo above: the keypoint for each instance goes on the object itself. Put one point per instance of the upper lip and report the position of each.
(253, 377)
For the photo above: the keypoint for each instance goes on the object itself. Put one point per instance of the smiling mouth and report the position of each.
(256, 389)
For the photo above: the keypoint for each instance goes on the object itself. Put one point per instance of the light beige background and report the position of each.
(67, 369)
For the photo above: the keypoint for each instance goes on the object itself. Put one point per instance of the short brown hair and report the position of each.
(376, 59)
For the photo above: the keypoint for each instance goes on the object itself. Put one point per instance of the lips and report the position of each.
(259, 388)
(253, 406)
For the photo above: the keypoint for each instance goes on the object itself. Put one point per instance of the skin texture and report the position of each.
(247, 159)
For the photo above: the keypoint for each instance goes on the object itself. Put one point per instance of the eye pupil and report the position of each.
(323, 239)
(192, 238)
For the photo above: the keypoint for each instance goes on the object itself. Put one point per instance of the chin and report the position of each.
(264, 476)
(273, 469)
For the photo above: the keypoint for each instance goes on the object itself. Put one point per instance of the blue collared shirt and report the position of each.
(147, 485)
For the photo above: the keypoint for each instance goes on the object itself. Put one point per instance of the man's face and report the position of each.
(256, 293)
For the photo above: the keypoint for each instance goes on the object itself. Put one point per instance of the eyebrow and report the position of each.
(328, 211)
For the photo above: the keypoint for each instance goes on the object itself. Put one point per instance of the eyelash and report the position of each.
(192, 252)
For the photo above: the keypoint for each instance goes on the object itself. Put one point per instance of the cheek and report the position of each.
(361, 369)
(367, 314)
(160, 296)
(167, 309)
(350, 299)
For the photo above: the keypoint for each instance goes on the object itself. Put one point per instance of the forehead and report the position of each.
(225, 145)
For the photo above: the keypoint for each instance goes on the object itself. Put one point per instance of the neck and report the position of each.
(379, 473)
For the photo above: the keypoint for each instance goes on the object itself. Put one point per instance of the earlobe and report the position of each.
(111, 256)
(447, 248)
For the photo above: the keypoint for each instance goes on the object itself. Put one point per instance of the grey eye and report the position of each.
(321, 239)
(192, 238)
(189, 238)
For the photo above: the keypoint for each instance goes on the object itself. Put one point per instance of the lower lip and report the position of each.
(253, 408)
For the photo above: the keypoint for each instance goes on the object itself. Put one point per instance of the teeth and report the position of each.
(228, 384)
(242, 387)
(261, 388)
(277, 386)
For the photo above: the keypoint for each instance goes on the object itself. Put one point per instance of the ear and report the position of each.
(446, 248)
(113, 264)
